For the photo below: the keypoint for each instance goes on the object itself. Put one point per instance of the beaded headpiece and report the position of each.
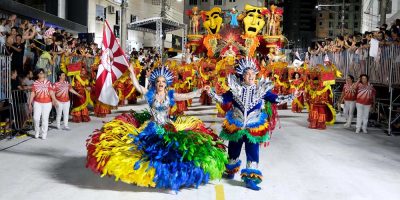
(245, 64)
(164, 72)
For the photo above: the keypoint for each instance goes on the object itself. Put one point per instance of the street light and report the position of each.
(319, 8)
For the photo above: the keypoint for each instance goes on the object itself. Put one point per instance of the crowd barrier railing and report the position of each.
(5, 77)
(383, 69)
(22, 118)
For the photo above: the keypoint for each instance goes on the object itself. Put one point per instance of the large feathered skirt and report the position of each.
(136, 150)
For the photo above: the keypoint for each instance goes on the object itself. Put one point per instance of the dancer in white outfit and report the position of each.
(42, 96)
(349, 96)
(365, 99)
(61, 90)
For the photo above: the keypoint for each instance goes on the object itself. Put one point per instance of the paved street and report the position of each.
(299, 164)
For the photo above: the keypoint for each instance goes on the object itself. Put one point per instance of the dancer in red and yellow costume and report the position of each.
(207, 74)
(297, 87)
(319, 96)
(81, 85)
(124, 86)
(100, 109)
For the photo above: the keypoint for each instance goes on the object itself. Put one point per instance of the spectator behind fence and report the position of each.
(365, 99)
(41, 97)
(15, 82)
(27, 80)
(62, 89)
(16, 50)
(3, 32)
(45, 61)
(348, 97)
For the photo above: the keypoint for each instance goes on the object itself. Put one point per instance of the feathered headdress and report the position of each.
(245, 64)
(164, 72)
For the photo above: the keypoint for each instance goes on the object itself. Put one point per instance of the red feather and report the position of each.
(279, 11)
(265, 12)
(189, 12)
(203, 16)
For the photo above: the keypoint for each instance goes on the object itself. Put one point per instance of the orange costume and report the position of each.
(320, 103)
(80, 112)
(100, 109)
(297, 90)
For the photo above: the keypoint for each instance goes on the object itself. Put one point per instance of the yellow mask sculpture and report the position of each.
(213, 20)
(254, 20)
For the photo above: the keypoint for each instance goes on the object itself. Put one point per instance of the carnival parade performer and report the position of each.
(62, 89)
(80, 83)
(42, 97)
(246, 121)
(319, 98)
(349, 96)
(234, 15)
(297, 87)
(151, 149)
(364, 101)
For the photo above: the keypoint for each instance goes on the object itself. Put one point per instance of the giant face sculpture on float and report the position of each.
(213, 20)
(254, 20)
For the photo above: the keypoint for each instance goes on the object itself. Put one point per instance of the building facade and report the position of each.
(110, 10)
(299, 22)
(371, 14)
(57, 13)
(329, 18)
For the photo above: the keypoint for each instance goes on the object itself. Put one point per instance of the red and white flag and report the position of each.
(113, 65)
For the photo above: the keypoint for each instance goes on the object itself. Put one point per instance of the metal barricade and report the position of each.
(383, 69)
(5, 77)
(22, 118)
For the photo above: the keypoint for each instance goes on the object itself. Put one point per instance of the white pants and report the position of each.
(362, 116)
(349, 111)
(41, 110)
(63, 108)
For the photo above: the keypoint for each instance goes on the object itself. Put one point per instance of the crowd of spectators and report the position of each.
(386, 35)
(36, 45)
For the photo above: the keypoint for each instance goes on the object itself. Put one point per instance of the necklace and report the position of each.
(160, 97)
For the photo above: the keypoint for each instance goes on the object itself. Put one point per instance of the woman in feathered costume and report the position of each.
(151, 149)
(246, 121)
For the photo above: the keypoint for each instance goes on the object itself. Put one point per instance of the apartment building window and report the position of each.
(133, 18)
(355, 24)
(331, 16)
(117, 17)
(192, 2)
(156, 2)
(320, 15)
(320, 23)
(218, 2)
(357, 8)
(330, 25)
(330, 33)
